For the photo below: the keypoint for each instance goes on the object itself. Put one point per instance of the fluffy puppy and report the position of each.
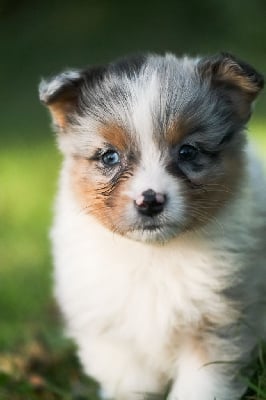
(159, 232)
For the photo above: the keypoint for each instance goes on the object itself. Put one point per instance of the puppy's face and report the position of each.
(154, 145)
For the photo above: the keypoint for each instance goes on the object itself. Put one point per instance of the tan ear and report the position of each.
(60, 94)
(240, 81)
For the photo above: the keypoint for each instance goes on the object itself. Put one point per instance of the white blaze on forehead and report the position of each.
(144, 100)
(151, 173)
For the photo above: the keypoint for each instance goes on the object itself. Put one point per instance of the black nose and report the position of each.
(150, 203)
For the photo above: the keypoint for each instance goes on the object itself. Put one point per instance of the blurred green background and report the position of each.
(41, 38)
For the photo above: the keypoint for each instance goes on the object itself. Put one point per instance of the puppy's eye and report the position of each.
(110, 158)
(187, 152)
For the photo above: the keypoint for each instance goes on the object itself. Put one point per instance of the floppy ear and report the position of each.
(239, 82)
(60, 94)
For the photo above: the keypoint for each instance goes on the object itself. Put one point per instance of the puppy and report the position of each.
(159, 232)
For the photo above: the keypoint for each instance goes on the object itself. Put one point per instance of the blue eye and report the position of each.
(110, 158)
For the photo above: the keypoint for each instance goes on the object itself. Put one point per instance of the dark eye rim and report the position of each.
(188, 157)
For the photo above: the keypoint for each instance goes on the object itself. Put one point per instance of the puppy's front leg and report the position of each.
(120, 372)
(200, 379)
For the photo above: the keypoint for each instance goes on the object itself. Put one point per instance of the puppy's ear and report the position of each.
(239, 82)
(61, 95)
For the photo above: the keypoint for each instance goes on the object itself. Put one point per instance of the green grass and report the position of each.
(28, 178)
(258, 134)
(36, 362)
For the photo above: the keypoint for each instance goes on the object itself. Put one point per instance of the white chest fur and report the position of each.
(134, 292)
(137, 303)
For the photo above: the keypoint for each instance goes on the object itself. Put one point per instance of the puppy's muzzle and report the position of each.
(150, 203)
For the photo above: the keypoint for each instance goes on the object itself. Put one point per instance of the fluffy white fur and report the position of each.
(188, 312)
(135, 309)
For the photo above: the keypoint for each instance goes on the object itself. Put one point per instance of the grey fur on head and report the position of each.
(218, 85)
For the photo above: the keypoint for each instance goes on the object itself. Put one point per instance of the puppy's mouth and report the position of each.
(151, 228)
(153, 232)
(152, 224)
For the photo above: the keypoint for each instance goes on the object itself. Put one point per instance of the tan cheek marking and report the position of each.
(86, 188)
(98, 197)
(116, 136)
(204, 203)
(118, 203)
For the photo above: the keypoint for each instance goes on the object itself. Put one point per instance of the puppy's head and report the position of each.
(155, 143)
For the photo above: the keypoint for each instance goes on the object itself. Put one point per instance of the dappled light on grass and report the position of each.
(44, 368)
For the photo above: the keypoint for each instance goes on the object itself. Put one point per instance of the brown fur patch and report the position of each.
(177, 131)
(116, 136)
(62, 107)
(103, 194)
(231, 73)
(59, 111)
(98, 195)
